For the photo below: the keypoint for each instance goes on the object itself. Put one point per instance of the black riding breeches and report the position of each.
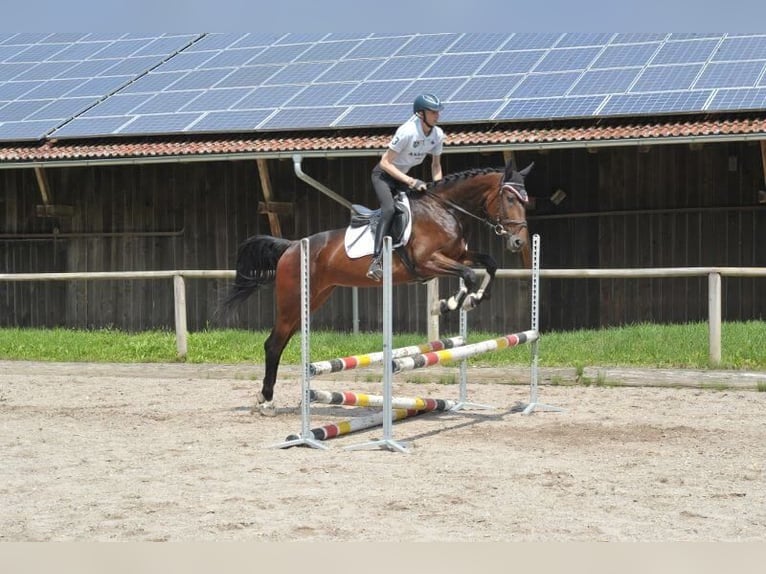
(385, 188)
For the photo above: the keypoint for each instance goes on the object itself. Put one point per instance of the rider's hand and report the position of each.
(418, 185)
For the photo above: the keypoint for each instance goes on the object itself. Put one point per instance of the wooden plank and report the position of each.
(263, 173)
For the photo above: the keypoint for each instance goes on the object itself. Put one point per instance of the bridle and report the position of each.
(503, 224)
(500, 225)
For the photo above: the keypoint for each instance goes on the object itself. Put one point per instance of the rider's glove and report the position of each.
(418, 185)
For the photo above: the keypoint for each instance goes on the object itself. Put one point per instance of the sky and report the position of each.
(385, 16)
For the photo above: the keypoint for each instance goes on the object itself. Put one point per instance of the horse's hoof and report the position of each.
(470, 302)
(262, 406)
(268, 409)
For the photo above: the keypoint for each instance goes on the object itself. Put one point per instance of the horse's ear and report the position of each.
(525, 172)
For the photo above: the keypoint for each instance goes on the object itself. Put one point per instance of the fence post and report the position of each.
(179, 298)
(714, 317)
(432, 321)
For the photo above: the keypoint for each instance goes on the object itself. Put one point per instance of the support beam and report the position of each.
(263, 173)
(42, 184)
(509, 154)
(763, 159)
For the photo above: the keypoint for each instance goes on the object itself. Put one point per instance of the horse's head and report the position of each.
(508, 207)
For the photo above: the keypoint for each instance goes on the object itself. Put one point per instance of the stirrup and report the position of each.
(375, 272)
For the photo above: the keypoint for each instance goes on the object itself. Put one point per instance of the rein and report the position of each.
(498, 226)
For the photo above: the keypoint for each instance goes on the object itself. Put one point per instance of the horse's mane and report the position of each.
(461, 175)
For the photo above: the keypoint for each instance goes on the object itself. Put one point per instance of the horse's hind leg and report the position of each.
(287, 323)
(273, 347)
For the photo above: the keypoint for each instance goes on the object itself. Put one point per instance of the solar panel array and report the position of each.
(91, 85)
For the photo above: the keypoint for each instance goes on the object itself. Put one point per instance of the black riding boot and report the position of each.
(375, 272)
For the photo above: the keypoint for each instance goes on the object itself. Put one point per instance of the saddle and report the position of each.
(360, 234)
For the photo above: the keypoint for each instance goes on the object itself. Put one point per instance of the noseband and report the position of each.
(503, 225)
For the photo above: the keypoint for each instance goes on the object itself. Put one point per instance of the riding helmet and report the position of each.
(427, 102)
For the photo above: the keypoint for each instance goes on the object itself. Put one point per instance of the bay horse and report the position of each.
(437, 248)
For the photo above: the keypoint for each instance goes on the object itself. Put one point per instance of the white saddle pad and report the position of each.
(359, 241)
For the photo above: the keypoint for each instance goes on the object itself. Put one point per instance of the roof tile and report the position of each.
(376, 140)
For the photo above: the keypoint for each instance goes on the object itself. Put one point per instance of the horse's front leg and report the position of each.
(473, 298)
(440, 265)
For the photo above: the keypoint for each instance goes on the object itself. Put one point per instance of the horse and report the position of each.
(437, 248)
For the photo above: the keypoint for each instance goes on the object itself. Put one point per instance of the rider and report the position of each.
(414, 139)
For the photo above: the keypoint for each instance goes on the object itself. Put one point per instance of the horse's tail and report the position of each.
(257, 259)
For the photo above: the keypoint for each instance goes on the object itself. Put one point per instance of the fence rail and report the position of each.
(714, 275)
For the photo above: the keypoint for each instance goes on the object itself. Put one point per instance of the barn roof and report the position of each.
(371, 142)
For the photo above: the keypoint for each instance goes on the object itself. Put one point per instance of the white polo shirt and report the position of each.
(412, 145)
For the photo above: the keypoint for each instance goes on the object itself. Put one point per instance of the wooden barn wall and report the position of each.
(193, 215)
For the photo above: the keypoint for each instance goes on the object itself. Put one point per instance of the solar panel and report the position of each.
(47, 79)
(476, 111)
(545, 85)
(309, 117)
(376, 48)
(327, 52)
(57, 109)
(531, 41)
(456, 65)
(748, 48)
(158, 124)
(741, 99)
(662, 78)
(272, 97)
(620, 56)
(83, 126)
(444, 86)
(491, 88)
(216, 100)
(303, 73)
(610, 81)
(165, 102)
(351, 70)
(23, 130)
(143, 83)
(403, 68)
(374, 93)
(429, 44)
(637, 37)
(476, 42)
(366, 116)
(656, 102)
(730, 75)
(571, 39)
(549, 108)
(511, 63)
(316, 95)
(687, 52)
(569, 59)
(153, 82)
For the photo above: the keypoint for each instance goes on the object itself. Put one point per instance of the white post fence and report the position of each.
(714, 274)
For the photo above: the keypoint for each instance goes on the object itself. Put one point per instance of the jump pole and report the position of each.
(306, 437)
(363, 400)
(366, 360)
(464, 352)
(331, 430)
(387, 441)
(533, 404)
